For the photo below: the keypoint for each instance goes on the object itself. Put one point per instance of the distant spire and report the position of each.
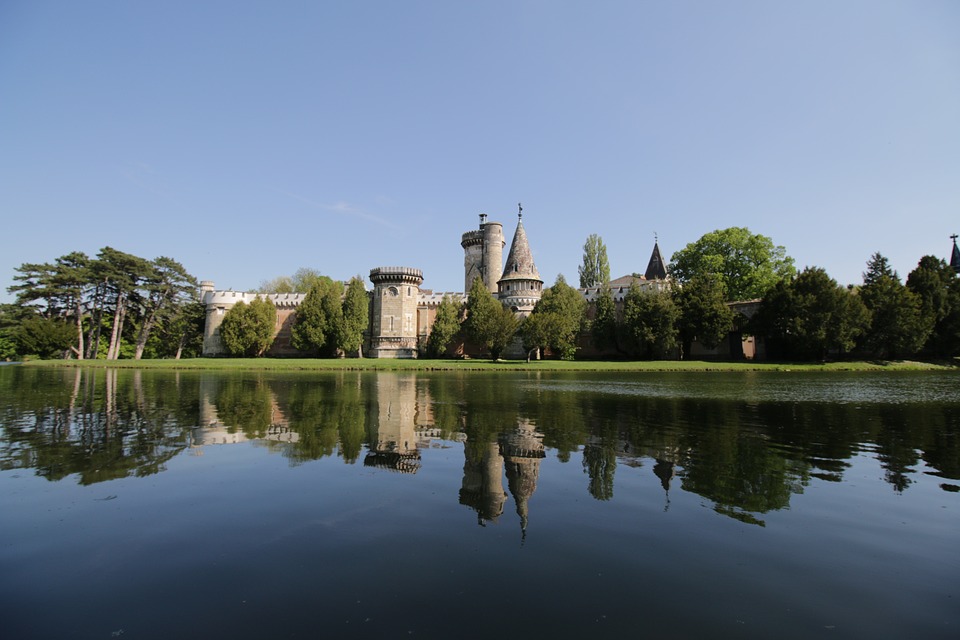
(955, 257)
(656, 270)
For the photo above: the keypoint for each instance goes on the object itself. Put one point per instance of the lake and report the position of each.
(158, 504)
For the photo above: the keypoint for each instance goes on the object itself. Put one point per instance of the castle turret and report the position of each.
(393, 321)
(656, 269)
(520, 287)
(483, 254)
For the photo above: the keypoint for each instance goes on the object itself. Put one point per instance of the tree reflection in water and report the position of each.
(747, 458)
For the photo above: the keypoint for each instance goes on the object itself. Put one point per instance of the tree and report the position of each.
(446, 325)
(167, 285)
(704, 315)
(488, 322)
(649, 322)
(44, 337)
(301, 282)
(354, 317)
(556, 320)
(811, 315)
(897, 325)
(121, 274)
(62, 286)
(938, 287)
(595, 270)
(247, 329)
(605, 327)
(319, 317)
(748, 264)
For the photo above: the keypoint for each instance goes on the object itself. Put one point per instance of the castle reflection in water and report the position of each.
(399, 421)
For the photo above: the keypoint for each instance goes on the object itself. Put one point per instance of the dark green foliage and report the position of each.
(938, 287)
(605, 329)
(897, 325)
(810, 316)
(354, 317)
(556, 320)
(748, 264)
(248, 329)
(649, 323)
(319, 317)
(446, 325)
(704, 315)
(488, 322)
(44, 337)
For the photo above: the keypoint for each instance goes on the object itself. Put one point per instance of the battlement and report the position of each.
(230, 298)
(407, 275)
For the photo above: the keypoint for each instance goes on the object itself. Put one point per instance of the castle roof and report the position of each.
(656, 270)
(520, 264)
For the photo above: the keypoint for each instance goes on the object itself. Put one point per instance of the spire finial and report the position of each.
(954, 238)
(656, 238)
(520, 211)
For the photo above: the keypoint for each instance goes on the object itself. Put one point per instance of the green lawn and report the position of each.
(353, 364)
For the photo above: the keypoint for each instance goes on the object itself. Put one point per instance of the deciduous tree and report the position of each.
(938, 287)
(556, 320)
(649, 322)
(446, 325)
(247, 329)
(488, 322)
(704, 315)
(748, 264)
(595, 270)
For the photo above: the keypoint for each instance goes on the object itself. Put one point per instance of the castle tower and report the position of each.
(955, 256)
(483, 254)
(522, 451)
(656, 269)
(520, 287)
(393, 312)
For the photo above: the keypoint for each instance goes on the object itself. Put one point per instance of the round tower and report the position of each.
(520, 286)
(393, 321)
(483, 254)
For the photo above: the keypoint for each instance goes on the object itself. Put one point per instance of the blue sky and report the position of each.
(248, 139)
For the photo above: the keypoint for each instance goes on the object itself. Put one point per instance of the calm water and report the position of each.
(246, 505)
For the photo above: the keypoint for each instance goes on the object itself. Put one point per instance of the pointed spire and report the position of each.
(520, 264)
(656, 269)
(955, 257)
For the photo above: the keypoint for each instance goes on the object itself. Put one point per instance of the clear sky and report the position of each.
(248, 139)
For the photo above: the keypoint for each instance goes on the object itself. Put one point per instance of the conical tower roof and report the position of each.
(656, 269)
(520, 264)
(955, 257)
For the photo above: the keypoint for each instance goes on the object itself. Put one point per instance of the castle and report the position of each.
(402, 314)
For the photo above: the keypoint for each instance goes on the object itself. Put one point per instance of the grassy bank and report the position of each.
(353, 364)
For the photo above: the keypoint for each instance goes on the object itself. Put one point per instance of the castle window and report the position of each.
(409, 291)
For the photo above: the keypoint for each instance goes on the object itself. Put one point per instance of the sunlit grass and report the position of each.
(355, 364)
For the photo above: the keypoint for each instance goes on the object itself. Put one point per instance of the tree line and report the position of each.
(111, 306)
(805, 316)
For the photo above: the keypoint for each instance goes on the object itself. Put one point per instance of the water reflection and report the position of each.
(746, 457)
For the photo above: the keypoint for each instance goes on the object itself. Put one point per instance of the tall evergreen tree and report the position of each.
(937, 285)
(166, 286)
(354, 318)
(319, 317)
(897, 325)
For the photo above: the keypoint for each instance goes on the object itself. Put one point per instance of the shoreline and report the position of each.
(370, 364)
